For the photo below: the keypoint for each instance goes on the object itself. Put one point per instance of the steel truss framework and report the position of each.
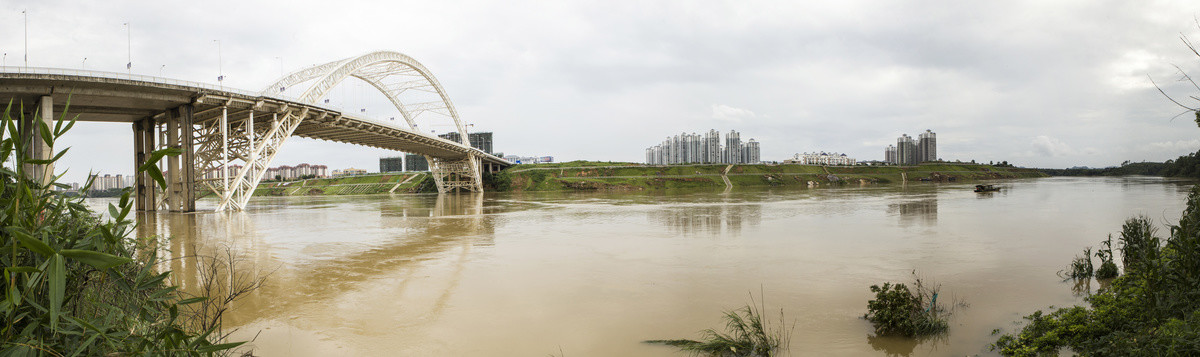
(236, 142)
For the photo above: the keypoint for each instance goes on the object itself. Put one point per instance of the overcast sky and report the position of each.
(1036, 83)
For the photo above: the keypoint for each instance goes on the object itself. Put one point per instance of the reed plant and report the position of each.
(75, 285)
(1081, 267)
(746, 334)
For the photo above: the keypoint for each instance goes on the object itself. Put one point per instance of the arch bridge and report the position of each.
(229, 137)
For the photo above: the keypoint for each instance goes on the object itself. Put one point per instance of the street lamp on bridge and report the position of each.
(220, 64)
(128, 48)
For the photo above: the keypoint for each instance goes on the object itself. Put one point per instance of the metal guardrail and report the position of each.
(124, 76)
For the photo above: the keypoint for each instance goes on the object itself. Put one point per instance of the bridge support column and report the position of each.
(180, 172)
(37, 148)
(453, 175)
(187, 132)
(143, 144)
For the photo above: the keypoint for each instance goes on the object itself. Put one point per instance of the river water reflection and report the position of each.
(593, 274)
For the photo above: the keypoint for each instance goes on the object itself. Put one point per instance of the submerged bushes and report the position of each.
(897, 310)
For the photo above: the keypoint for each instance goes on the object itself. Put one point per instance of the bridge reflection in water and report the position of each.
(408, 248)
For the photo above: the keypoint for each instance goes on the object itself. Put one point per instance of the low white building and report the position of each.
(822, 158)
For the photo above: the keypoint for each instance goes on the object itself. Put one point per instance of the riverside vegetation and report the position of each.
(74, 285)
(582, 175)
(619, 176)
(746, 334)
(1151, 310)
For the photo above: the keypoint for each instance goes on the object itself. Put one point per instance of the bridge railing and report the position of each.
(216, 87)
(125, 76)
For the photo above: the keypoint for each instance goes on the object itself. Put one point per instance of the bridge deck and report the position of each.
(111, 97)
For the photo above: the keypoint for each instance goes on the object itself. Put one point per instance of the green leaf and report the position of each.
(150, 167)
(161, 293)
(57, 273)
(85, 345)
(192, 300)
(33, 243)
(14, 296)
(69, 125)
(21, 270)
(154, 281)
(44, 131)
(59, 155)
(155, 174)
(96, 259)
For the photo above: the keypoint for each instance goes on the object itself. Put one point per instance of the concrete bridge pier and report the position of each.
(177, 131)
(37, 148)
(143, 144)
(181, 170)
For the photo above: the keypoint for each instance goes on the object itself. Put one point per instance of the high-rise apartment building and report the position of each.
(927, 146)
(889, 155)
(906, 150)
(414, 162)
(750, 153)
(733, 147)
(712, 147)
(481, 141)
(391, 164)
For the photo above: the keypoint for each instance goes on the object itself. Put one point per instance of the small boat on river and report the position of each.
(986, 188)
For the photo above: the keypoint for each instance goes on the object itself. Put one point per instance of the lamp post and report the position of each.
(128, 48)
(220, 64)
(160, 70)
(83, 65)
(26, 14)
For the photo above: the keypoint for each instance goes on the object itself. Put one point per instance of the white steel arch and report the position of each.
(391, 73)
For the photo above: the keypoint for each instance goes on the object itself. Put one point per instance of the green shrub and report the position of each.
(896, 310)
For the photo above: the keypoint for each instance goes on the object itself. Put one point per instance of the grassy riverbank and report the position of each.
(593, 175)
(582, 175)
(350, 185)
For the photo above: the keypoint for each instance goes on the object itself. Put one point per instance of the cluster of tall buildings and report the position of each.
(294, 172)
(283, 172)
(911, 152)
(109, 182)
(414, 162)
(704, 149)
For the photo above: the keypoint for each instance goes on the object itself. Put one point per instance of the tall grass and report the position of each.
(746, 333)
(1081, 267)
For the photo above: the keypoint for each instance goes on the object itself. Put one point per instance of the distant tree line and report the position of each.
(1169, 168)
(112, 192)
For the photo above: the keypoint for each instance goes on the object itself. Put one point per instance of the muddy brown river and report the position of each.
(594, 274)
